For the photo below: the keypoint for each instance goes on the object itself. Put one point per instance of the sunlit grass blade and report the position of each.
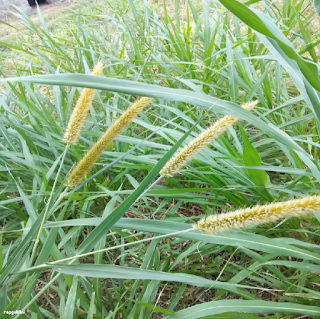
(231, 238)
(253, 20)
(111, 271)
(247, 306)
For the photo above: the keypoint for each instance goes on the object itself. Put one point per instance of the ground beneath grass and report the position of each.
(51, 12)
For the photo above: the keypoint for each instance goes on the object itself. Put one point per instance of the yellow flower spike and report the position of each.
(90, 158)
(80, 111)
(258, 215)
(201, 141)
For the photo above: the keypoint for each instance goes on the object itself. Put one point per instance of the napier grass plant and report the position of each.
(231, 226)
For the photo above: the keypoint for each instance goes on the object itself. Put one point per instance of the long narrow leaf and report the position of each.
(253, 20)
(250, 306)
(112, 271)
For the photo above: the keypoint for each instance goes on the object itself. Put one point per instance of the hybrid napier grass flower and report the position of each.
(80, 111)
(258, 215)
(90, 158)
(201, 141)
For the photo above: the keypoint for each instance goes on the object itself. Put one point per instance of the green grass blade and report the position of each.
(119, 272)
(70, 304)
(91, 309)
(252, 158)
(264, 25)
(247, 306)
(16, 257)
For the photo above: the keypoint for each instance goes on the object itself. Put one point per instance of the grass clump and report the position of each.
(121, 243)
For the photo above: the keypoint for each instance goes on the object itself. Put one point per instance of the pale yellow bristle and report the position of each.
(96, 150)
(80, 111)
(258, 215)
(201, 141)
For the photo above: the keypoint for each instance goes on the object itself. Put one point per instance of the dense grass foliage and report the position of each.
(121, 244)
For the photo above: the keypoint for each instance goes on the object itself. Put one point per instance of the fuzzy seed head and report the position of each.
(258, 215)
(201, 141)
(96, 150)
(80, 111)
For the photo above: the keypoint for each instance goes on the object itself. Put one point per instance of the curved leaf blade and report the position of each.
(248, 306)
